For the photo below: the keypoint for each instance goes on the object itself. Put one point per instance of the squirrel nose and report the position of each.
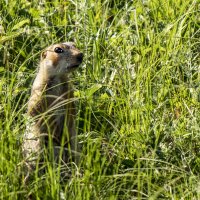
(80, 57)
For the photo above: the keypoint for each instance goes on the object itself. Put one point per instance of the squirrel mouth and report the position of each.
(79, 59)
(74, 66)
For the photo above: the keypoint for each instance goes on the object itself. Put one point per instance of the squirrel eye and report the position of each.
(58, 50)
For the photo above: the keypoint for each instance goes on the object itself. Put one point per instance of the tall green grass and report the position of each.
(138, 89)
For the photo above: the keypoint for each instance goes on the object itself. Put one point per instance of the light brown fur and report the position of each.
(51, 106)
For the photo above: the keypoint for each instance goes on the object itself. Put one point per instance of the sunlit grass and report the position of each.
(138, 98)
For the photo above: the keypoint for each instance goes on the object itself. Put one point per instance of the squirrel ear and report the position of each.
(43, 55)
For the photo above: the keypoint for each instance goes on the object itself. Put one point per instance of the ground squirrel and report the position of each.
(51, 106)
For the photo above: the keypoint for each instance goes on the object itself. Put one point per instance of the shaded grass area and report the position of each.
(138, 89)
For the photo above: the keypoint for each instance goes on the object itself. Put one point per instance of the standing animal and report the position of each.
(51, 108)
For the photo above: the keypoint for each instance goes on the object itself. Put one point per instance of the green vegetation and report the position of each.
(138, 96)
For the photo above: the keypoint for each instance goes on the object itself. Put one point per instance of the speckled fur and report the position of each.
(51, 108)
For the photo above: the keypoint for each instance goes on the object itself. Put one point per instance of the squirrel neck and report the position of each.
(43, 79)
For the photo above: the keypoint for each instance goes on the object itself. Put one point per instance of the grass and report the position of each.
(138, 97)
